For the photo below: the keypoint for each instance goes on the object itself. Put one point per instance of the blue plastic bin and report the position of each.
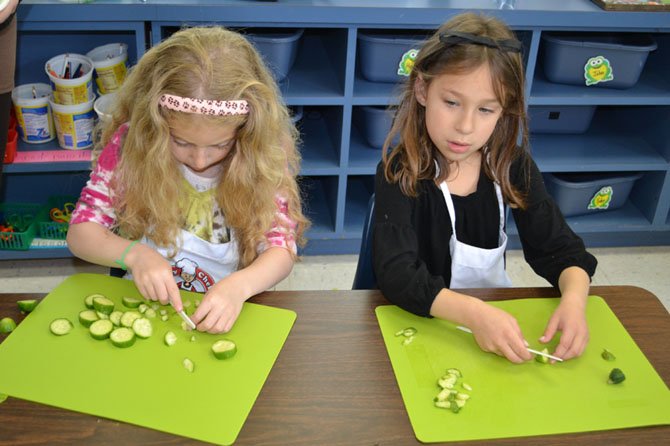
(560, 119)
(374, 123)
(582, 59)
(586, 193)
(278, 48)
(380, 53)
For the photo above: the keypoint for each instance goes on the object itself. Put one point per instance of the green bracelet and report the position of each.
(121, 262)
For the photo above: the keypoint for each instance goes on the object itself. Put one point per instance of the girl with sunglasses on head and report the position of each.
(195, 185)
(440, 194)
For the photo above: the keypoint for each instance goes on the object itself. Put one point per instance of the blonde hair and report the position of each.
(205, 63)
(413, 158)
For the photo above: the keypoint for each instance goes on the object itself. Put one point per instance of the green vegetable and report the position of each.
(122, 337)
(61, 326)
(131, 302)
(101, 329)
(224, 349)
(188, 365)
(103, 304)
(87, 317)
(607, 355)
(7, 325)
(170, 339)
(449, 397)
(543, 359)
(616, 376)
(142, 327)
(406, 332)
(26, 306)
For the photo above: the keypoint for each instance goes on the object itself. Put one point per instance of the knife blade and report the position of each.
(186, 319)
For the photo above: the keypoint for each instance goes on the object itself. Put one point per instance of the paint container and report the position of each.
(74, 124)
(33, 113)
(71, 77)
(110, 63)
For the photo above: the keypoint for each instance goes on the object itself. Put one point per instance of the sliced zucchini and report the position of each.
(142, 327)
(129, 317)
(170, 339)
(26, 306)
(87, 317)
(103, 304)
(224, 349)
(61, 326)
(7, 325)
(122, 337)
(102, 315)
(131, 302)
(115, 317)
(101, 329)
(88, 300)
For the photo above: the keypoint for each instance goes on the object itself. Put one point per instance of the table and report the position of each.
(333, 383)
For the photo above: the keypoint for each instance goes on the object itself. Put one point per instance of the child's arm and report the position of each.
(494, 330)
(223, 302)
(152, 274)
(570, 315)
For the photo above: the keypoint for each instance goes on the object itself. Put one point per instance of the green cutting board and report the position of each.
(510, 400)
(145, 384)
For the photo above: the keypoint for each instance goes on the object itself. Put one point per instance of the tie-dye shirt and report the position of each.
(95, 201)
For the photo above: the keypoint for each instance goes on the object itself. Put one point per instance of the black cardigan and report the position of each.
(410, 247)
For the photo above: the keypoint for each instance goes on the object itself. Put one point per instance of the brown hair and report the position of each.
(208, 63)
(413, 158)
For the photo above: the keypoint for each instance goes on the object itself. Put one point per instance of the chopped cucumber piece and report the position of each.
(143, 308)
(449, 397)
(87, 317)
(543, 359)
(467, 387)
(193, 338)
(27, 306)
(129, 317)
(131, 302)
(186, 304)
(115, 317)
(155, 306)
(408, 340)
(103, 304)
(224, 349)
(122, 337)
(142, 328)
(163, 312)
(455, 372)
(616, 377)
(101, 329)
(88, 300)
(60, 326)
(188, 365)
(164, 318)
(406, 332)
(7, 325)
(607, 355)
(102, 315)
(170, 339)
(150, 313)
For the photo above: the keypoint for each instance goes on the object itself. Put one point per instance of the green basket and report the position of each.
(48, 228)
(23, 214)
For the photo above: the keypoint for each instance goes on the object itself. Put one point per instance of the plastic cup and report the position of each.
(103, 107)
(110, 63)
(33, 113)
(74, 124)
(10, 148)
(69, 90)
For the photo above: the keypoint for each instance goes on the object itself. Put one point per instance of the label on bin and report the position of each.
(598, 69)
(602, 198)
(407, 62)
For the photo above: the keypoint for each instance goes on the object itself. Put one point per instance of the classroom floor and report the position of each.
(646, 267)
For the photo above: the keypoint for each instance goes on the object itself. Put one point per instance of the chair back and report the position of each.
(364, 279)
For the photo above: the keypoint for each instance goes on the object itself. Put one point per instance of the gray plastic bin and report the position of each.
(380, 53)
(374, 123)
(586, 193)
(560, 119)
(582, 59)
(278, 48)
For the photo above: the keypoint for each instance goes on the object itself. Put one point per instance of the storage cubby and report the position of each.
(326, 90)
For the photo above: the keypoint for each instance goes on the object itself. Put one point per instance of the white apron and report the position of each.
(199, 264)
(473, 267)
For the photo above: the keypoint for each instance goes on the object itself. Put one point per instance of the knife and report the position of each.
(537, 352)
(186, 319)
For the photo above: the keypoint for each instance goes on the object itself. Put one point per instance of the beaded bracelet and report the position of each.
(121, 262)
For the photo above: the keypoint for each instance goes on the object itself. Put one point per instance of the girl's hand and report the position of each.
(220, 308)
(498, 332)
(570, 319)
(152, 275)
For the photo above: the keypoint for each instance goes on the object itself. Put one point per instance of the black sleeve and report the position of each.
(402, 276)
(549, 245)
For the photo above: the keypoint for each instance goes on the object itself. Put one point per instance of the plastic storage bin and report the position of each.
(278, 48)
(585, 193)
(374, 123)
(21, 217)
(381, 54)
(560, 119)
(598, 60)
(55, 228)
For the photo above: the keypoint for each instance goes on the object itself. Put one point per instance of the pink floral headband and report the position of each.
(204, 106)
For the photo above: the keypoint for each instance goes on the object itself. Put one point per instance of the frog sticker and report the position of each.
(602, 198)
(598, 69)
(407, 62)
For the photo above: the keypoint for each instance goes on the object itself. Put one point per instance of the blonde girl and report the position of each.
(194, 186)
(441, 192)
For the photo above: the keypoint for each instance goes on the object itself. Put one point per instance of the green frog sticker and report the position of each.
(407, 62)
(602, 198)
(598, 69)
